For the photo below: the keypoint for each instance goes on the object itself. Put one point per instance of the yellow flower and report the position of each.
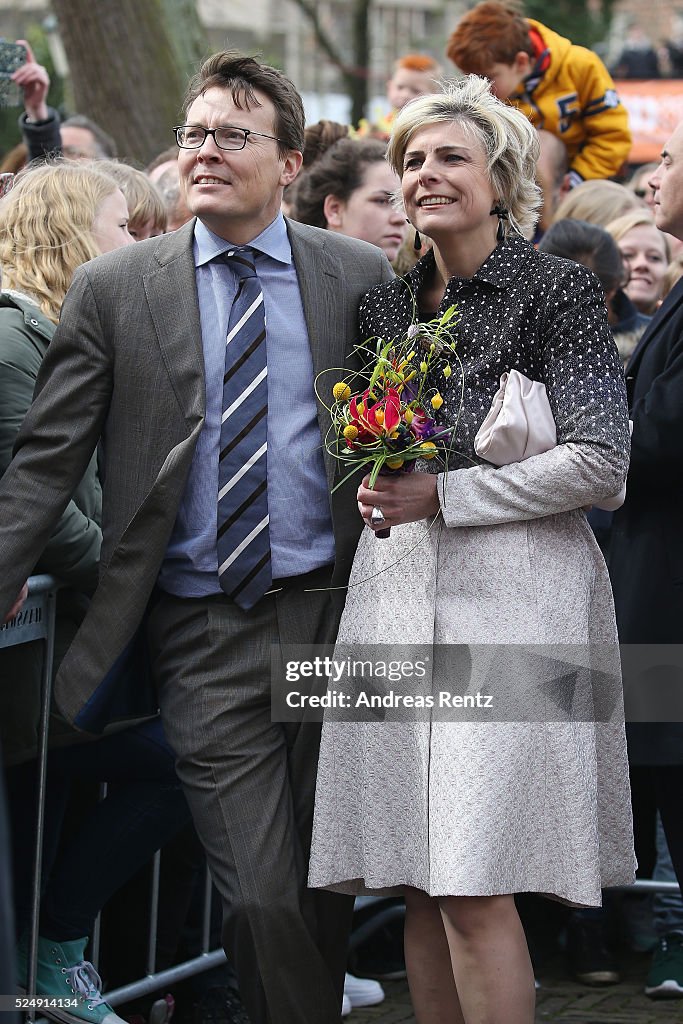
(341, 392)
(437, 401)
(350, 432)
(408, 416)
(395, 462)
(428, 449)
(423, 366)
(447, 370)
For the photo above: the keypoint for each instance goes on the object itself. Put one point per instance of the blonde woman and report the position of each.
(460, 813)
(54, 219)
(645, 252)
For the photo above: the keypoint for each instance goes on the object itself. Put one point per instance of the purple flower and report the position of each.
(422, 426)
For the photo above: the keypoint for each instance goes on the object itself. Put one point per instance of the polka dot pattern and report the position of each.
(523, 310)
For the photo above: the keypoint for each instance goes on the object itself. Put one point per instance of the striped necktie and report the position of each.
(243, 539)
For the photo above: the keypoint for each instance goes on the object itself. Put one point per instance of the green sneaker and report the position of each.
(665, 977)
(64, 974)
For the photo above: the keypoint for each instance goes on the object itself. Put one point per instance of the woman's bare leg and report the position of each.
(490, 958)
(428, 962)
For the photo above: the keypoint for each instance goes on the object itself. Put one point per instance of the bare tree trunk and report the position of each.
(187, 33)
(358, 84)
(126, 68)
(355, 72)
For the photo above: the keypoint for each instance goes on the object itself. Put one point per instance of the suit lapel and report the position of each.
(171, 292)
(671, 303)
(331, 332)
(319, 275)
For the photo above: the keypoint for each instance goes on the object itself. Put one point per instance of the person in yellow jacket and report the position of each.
(563, 88)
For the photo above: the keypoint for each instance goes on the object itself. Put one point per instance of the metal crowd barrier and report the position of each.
(154, 980)
(36, 621)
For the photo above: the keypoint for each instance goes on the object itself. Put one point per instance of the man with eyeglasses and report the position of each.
(193, 361)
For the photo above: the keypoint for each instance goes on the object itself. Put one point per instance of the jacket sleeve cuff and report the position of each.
(41, 137)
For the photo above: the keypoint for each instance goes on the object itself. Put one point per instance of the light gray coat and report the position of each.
(532, 795)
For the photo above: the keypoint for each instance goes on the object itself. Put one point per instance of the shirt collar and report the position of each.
(273, 241)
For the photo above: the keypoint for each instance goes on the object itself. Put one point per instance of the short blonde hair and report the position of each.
(46, 229)
(597, 201)
(639, 218)
(507, 137)
(144, 200)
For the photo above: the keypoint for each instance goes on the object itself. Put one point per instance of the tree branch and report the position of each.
(311, 11)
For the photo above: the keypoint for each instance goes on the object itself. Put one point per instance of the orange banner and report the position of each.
(654, 108)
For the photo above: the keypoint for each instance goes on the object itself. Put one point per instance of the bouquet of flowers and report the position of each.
(392, 420)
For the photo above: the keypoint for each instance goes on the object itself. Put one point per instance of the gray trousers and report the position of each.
(250, 784)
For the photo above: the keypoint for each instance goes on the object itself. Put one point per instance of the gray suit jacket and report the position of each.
(126, 367)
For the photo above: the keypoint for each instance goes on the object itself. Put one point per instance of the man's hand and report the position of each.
(403, 498)
(18, 604)
(34, 80)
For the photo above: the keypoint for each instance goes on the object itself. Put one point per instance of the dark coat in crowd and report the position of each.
(646, 552)
(637, 62)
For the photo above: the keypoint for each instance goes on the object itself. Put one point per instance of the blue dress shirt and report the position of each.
(298, 499)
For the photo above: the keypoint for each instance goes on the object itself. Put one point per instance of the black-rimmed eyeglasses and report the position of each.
(193, 136)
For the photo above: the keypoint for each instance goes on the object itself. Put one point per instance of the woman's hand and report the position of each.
(403, 498)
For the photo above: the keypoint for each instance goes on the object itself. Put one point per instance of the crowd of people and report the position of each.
(644, 58)
(168, 339)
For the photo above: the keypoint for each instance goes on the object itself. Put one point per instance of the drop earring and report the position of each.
(501, 213)
(417, 245)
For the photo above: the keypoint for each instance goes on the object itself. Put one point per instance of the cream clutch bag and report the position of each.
(520, 424)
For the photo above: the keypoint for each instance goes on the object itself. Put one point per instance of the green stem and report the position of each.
(376, 471)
